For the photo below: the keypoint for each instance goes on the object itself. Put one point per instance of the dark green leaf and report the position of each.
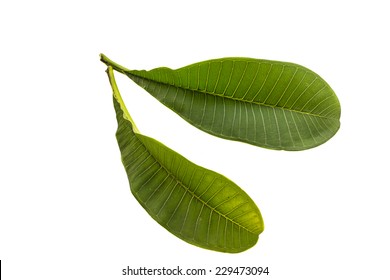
(197, 205)
(272, 104)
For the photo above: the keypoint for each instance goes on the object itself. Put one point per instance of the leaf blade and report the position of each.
(197, 205)
(291, 107)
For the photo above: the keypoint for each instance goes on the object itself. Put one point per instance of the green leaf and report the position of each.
(271, 104)
(197, 205)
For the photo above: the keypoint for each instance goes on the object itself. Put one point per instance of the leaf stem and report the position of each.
(118, 97)
(113, 64)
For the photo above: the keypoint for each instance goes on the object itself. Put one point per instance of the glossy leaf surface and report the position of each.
(197, 205)
(271, 104)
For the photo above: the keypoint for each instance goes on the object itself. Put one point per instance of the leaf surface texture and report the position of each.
(271, 104)
(197, 205)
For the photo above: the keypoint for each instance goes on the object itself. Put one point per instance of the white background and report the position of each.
(66, 211)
